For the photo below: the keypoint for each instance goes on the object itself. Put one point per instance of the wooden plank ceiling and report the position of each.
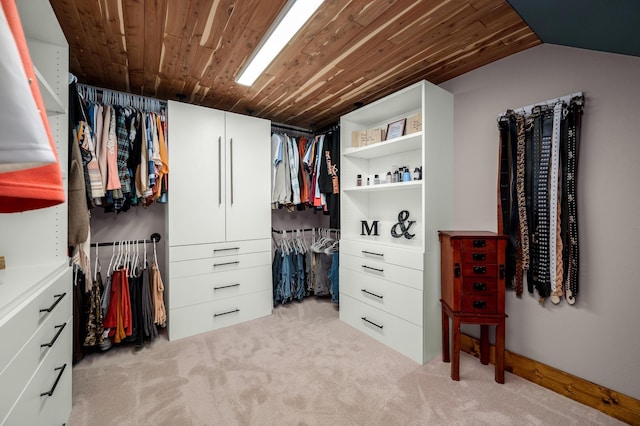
(351, 51)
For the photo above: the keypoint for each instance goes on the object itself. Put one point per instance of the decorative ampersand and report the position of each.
(404, 227)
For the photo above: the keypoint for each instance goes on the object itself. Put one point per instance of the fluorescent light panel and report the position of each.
(294, 16)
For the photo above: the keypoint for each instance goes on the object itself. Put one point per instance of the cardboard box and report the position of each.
(368, 137)
(414, 124)
(355, 139)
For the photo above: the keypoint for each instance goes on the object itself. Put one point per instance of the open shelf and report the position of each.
(414, 184)
(392, 146)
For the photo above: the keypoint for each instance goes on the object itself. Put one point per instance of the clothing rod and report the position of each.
(527, 109)
(155, 237)
(100, 90)
(326, 129)
(280, 231)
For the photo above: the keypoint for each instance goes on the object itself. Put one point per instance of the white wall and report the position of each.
(598, 338)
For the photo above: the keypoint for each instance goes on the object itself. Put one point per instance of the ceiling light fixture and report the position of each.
(294, 15)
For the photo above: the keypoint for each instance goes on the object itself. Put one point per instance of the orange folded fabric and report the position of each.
(39, 187)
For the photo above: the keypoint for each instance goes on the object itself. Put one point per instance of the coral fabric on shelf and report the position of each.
(38, 187)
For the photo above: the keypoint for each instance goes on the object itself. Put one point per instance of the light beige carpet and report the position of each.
(302, 366)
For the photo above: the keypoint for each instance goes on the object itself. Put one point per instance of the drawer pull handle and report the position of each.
(52, 307)
(373, 294)
(479, 286)
(225, 286)
(479, 243)
(372, 268)
(479, 304)
(479, 256)
(479, 269)
(372, 253)
(50, 344)
(371, 322)
(456, 270)
(55, 384)
(226, 249)
(226, 263)
(226, 313)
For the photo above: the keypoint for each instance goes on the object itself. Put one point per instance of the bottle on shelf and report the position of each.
(376, 180)
(389, 178)
(359, 180)
(417, 173)
(406, 176)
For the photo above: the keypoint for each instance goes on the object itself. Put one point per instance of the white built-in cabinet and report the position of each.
(218, 219)
(36, 297)
(389, 287)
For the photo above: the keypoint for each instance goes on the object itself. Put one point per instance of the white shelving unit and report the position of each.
(389, 285)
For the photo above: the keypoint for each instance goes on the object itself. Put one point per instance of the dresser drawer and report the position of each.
(479, 304)
(397, 333)
(479, 286)
(375, 268)
(188, 268)
(195, 289)
(47, 397)
(396, 299)
(479, 256)
(397, 256)
(17, 330)
(479, 243)
(479, 270)
(202, 251)
(47, 338)
(195, 319)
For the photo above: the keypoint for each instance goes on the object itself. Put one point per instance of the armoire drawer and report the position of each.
(17, 330)
(47, 397)
(188, 268)
(185, 291)
(394, 255)
(396, 299)
(48, 338)
(202, 251)
(399, 334)
(375, 268)
(195, 319)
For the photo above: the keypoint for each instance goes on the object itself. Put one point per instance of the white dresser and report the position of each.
(389, 251)
(219, 219)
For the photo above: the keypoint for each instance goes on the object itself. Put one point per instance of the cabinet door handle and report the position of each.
(479, 269)
(479, 256)
(219, 170)
(372, 253)
(456, 270)
(479, 304)
(372, 268)
(479, 286)
(479, 243)
(226, 263)
(50, 344)
(373, 294)
(231, 166)
(55, 303)
(371, 322)
(226, 286)
(226, 313)
(55, 384)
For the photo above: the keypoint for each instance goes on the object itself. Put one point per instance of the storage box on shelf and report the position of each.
(389, 243)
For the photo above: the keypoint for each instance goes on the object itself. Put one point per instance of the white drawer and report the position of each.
(396, 299)
(196, 319)
(201, 251)
(46, 339)
(53, 375)
(395, 255)
(375, 268)
(56, 296)
(187, 268)
(399, 334)
(186, 291)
